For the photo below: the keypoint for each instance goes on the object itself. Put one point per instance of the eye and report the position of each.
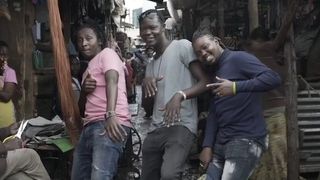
(198, 52)
(79, 40)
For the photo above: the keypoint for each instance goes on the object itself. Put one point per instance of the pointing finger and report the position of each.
(215, 85)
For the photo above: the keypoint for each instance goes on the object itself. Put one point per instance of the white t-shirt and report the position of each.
(173, 65)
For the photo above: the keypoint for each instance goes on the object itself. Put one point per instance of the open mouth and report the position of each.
(209, 58)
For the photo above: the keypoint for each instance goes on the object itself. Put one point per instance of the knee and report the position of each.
(30, 153)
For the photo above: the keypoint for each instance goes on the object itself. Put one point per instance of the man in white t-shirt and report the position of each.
(171, 80)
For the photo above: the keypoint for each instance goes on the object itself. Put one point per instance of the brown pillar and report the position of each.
(291, 111)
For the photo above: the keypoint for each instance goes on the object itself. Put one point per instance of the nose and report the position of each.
(84, 43)
(202, 54)
(145, 32)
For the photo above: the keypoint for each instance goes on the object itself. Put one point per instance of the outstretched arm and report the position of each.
(256, 78)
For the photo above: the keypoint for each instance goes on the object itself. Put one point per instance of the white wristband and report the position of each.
(183, 94)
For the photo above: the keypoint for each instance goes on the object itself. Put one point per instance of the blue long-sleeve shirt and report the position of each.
(241, 115)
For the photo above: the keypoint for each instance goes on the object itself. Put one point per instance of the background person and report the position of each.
(8, 85)
(274, 161)
(17, 163)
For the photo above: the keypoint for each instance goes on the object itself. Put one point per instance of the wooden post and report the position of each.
(291, 111)
(253, 14)
(26, 68)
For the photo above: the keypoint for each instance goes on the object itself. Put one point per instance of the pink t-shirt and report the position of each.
(96, 104)
(9, 75)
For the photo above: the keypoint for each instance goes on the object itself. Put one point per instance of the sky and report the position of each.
(134, 4)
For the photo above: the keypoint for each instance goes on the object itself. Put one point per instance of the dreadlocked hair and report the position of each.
(207, 33)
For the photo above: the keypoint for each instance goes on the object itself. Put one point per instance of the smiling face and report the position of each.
(88, 43)
(151, 30)
(207, 49)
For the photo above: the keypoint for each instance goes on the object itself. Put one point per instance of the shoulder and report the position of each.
(239, 58)
(182, 42)
(9, 70)
(182, 46)
(242, 55)
(9, 74)
(109, 52)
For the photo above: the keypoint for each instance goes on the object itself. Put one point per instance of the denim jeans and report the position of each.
(96, 155)
(234, 160)
(164, 153)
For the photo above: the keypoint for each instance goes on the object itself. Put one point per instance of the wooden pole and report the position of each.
(253, 14)
(291, 111)
(26, 69)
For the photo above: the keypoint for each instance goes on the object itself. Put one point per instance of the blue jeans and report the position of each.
(96, 155)
(234, 160)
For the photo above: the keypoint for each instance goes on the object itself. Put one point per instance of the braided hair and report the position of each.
(199, 34)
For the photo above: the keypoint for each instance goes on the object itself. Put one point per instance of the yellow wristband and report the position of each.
(234, 89)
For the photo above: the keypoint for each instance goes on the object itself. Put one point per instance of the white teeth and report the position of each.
(210, 58)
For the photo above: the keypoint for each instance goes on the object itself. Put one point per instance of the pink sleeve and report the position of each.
(110, 60)
(10, 76)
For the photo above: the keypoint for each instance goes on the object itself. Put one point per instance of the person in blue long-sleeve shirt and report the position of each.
(235, 134)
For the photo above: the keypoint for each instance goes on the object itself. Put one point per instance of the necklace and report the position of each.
(159, 66)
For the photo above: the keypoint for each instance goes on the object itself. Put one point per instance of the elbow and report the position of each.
(5, 99)
(274, 79)
(277, 81)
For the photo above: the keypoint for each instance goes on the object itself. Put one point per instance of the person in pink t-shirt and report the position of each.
(103, 104)
(8, 85)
